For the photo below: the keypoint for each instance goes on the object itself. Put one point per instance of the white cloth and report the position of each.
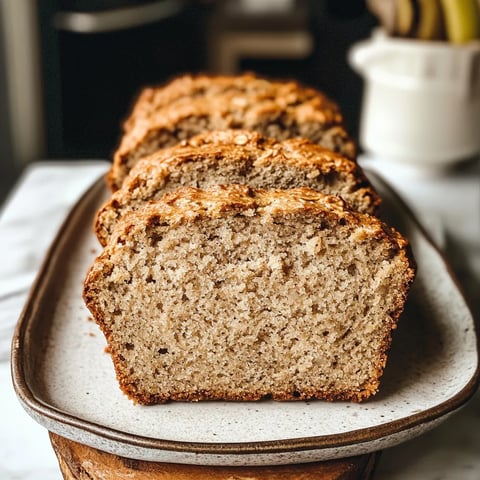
(29, 219)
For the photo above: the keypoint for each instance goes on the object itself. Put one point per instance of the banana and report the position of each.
(462, 20)
(405, 17)
(430, 24)
(457, 21)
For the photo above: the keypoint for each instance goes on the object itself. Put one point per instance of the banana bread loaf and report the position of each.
(190, 105)
(242, 294)
(237, 156)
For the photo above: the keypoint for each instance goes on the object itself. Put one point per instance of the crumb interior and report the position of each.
(244, 307)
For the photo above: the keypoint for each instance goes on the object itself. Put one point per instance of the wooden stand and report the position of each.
(79, 462)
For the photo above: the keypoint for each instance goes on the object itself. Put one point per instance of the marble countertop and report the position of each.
(447, 205)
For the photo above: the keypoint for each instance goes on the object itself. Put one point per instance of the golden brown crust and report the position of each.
(189, 86)
(245, 152)
(188, 203)
(298, 152)
(245, 101)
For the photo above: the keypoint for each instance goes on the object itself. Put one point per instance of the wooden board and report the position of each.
(80, 462)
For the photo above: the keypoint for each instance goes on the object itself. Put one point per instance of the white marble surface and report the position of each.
(449, 206)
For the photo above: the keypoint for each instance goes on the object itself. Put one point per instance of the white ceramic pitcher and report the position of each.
(421, 102)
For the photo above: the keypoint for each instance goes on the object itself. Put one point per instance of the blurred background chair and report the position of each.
(273, 29)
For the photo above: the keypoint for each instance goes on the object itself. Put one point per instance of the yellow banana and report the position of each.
(405, 17)
(430, 20)
(462, 20)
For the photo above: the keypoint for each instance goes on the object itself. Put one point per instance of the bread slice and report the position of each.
(188, 106)
(236, 293)
(237, 156)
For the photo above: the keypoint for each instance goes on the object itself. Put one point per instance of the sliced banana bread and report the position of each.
(237, 156)
(163, 116)
(241, 294)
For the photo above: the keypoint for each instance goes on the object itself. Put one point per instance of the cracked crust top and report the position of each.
(187, 106)
(238, 156)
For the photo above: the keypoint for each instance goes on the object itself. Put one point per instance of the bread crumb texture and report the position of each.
(237, 293)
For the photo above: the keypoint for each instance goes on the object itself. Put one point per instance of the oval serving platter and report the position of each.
(65, 379)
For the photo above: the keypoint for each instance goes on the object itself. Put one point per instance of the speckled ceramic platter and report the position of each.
(65, 379)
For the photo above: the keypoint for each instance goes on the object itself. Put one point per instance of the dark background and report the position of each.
(89, 81)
